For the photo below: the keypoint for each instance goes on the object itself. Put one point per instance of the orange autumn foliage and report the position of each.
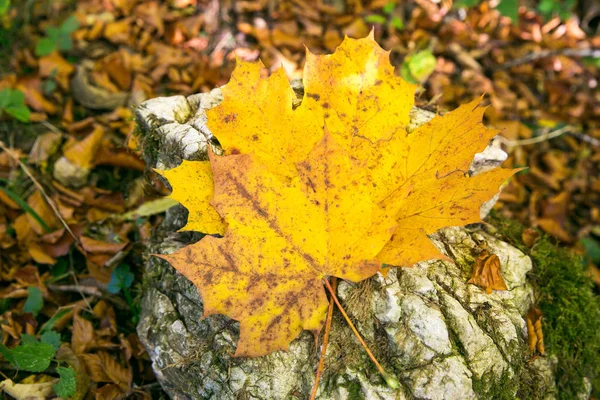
(334, 187)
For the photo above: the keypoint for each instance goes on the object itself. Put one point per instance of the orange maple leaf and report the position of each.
(335, 187)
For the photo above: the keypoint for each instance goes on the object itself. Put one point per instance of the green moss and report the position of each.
(354, 392)
(498, 389)
(571, 310)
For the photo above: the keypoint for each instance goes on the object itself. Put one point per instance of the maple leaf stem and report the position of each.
(313, 394)
(391, 381)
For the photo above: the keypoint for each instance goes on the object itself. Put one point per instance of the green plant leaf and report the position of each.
(595, 61)
(69, 25)
(59, 269)
(121, 278)
(53, 32)
(16, 98)
(67, 384)
(7, 354)
(35, 300)
(45, 46)
(20, 113)
(5, 305)
(397, 23)
(64, 42)
(375, 19)
(562, 8)
(592, 249)
(4, 6)
(5, 97)
(389, 7)
(465, 3)
(27, 339)
(35, 357)
(510, 9)
(52, 338)
(546, 7)
(405, 73)
(421, 65)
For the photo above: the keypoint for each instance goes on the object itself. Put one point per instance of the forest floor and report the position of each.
(72, 177)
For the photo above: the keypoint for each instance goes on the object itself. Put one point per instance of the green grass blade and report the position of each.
(15, 197)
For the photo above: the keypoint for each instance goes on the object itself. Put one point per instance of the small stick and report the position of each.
(390, 380)
(538, 139)
(52, 127)
(313, 395)
(89, 290)
(586, 138)
(551, 53)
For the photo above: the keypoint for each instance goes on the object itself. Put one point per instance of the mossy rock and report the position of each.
(439, 336)
(570, 308)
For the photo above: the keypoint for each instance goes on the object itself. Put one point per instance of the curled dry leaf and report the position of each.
(529, 237)
(535, 336)
(333, 187)
(486, 273)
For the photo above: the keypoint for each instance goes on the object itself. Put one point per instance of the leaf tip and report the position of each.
(371, 34)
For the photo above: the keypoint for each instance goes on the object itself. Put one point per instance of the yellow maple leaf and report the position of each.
(335, 187)
(202, 216)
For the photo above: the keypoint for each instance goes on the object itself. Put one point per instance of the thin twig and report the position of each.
(52, 127)
(40, 188)
(586, 138)
(313, 395)
(89, 290)
(149, 386)
(354, 330)
(52, 206)
(595, 53)
(538, 139)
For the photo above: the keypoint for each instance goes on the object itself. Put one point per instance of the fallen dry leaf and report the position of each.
(54, 65)
(40, 205)
(529, 237)
(104, 368)
(486, 273)
(83, 337)
(83, 153)
(334, 187)
(28, 391)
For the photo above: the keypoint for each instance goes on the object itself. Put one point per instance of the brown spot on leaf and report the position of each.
(229, 118)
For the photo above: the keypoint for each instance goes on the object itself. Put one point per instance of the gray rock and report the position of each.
(69, 174)
(94, 97)
(439, 336)
(162, 111)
